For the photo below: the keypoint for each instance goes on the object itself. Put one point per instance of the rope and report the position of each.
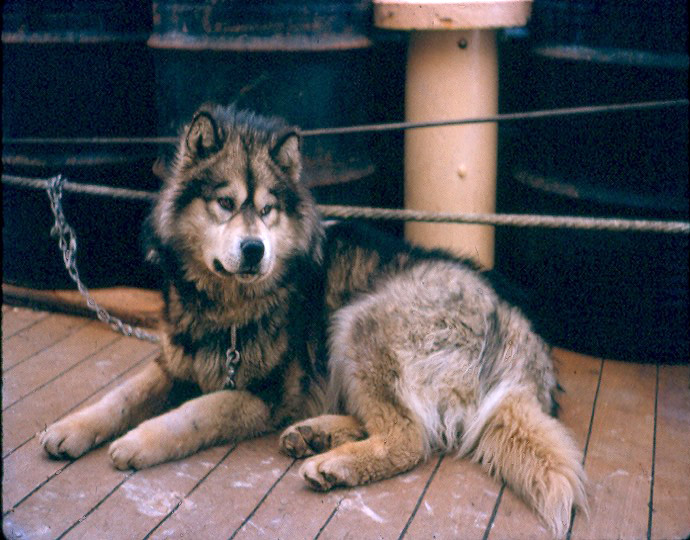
(512, 220)
(67, 239)
(355, 212)
(68, 242)
(499, 118)
(374, 128)
(87, 189)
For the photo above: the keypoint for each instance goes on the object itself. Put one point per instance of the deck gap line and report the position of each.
(489, 525)
(47, 314)
(651, 483)
(573, 513)
(261, 501)
(93, 509)
(194, 487)
(52, 344)
(330, 517)
(80, 362)
(27, 441)
(421, 497)
(147, 357)
(39, 486)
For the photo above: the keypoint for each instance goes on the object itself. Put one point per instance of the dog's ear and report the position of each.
(204, 136)
(286, 152)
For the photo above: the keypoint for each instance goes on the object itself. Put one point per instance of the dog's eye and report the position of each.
(226, 203)
(265, 210)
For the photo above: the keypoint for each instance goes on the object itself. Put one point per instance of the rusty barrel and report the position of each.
(620, 295)
(76, 69)
(308, 62)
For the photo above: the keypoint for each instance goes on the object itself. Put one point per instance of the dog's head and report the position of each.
(233, 209)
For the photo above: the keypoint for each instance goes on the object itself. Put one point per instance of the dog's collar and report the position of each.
(232, 359)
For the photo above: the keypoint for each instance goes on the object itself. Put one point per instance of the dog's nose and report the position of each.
(252, 251)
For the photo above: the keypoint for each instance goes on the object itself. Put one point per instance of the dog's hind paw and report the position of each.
(302, 440)
(321, 433)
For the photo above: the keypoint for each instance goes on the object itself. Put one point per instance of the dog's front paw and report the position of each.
(138, 449)
(326, 471)
(302, 440)
(71, 437)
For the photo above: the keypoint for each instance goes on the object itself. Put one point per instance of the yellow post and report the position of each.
(452, 73)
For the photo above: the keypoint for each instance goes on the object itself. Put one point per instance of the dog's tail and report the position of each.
(517, 441)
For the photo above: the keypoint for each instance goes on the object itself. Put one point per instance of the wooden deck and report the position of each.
(632, 420)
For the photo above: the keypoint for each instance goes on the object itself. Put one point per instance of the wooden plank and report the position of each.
(47, 404)
(256, 493)
(146, 498)
(458, 503)
(46, 332)
(25, 471)
(65, 499)
(578, 375)
(140, 307)
(220, 505)
(292, 510)
(27, 467)
(51, 362)
(671, 517)
(16, 319)
(380, 510)
(619, 457)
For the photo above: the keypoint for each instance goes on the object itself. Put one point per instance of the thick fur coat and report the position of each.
(370, 353)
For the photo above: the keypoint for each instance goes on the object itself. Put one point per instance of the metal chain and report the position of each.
(67, 241)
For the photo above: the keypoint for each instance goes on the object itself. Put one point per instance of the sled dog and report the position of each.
(370, 353)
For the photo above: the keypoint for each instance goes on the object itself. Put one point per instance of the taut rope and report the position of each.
(362, 212)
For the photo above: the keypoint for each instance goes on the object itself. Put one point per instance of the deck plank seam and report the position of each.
(261, 501)
(492, 518)
(39, 486)
(328, 520)
(421, 497)
(191, 491)
(19, 330)
(52, 344)
(115, 339)
(651, 482)
(95, 507)
(573, 514)
(79, 404)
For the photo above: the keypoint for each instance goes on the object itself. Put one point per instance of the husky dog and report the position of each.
(382, 353)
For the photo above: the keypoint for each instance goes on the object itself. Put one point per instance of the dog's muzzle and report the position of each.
(251, 255)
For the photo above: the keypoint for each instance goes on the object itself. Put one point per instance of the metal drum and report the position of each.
(621, 295)
(77, 69)
(309, 62)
